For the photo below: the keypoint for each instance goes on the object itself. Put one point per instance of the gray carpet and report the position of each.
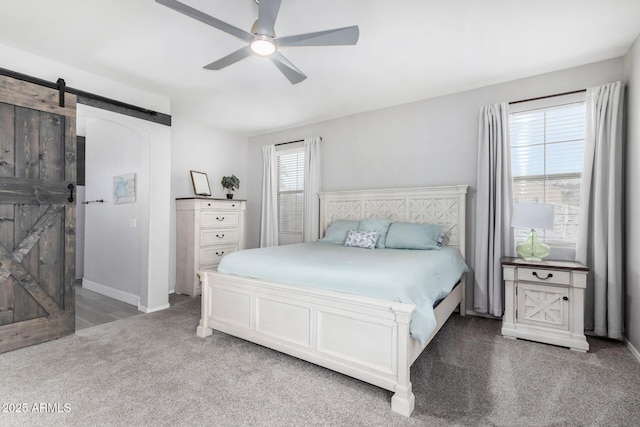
(151, 370)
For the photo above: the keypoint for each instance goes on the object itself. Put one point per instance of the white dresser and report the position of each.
(207, 230)
(544, 301)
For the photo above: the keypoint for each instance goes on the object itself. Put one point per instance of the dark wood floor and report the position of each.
(94, 309)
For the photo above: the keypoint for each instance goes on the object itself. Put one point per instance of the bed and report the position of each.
(360, 336)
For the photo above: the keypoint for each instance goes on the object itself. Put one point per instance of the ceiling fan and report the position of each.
(262, 40)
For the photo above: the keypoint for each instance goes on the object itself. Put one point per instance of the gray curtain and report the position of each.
(600, 244)
(494, 235)
(269, 220)
(311, 209)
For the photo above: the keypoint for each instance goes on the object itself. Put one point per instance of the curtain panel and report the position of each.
(600, 236)
(494, 234)
(311, 208)
(269, 219)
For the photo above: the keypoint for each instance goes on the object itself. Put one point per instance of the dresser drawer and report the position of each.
(219, 219)
(212, 255)
(218, 237)
(541, 275)
(219, 204)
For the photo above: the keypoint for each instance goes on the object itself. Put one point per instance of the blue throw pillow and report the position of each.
(337, 231)
(379, 225)
(361, 239)
(405, 235)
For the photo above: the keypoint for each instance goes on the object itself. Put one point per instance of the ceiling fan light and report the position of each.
(262, 45)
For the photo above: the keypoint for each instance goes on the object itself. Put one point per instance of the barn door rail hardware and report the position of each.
(61, 89)
(91, 99)
(93, 201)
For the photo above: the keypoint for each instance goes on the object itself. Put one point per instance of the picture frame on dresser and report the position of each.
(200, 182)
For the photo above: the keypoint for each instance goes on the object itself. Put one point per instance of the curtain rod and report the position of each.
(548, 96)
(292, 142)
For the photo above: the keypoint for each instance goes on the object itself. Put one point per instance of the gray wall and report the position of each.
(431, 142)
(195, 146)
(632, 312)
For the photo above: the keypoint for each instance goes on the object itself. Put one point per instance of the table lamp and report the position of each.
(532, 216)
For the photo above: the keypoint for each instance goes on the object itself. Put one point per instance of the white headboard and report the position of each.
(435, 205)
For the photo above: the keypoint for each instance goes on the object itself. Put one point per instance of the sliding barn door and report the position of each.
(37, 214)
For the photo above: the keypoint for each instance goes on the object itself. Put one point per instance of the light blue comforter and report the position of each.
(419, 277)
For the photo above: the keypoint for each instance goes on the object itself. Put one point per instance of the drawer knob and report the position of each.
(549, 276)
(220, 218)
(220, 236)
(233, 205)
(220, 253)
(565, 298)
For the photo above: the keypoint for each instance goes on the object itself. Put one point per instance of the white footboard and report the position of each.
(361, 337)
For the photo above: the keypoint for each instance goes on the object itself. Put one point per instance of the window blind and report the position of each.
(547, 150)
(290, 191)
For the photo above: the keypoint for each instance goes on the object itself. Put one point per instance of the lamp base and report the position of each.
(532, 249)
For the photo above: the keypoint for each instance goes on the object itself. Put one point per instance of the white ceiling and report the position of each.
(408, 50)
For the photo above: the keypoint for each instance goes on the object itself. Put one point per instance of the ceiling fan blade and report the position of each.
(267, 14)
(287, 68)
(232, 58)
(336, 37)
(207, 19)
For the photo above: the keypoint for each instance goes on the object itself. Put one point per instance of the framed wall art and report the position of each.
(200, 183)
(124, 188)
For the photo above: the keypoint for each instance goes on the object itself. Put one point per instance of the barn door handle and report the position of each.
(70, 187)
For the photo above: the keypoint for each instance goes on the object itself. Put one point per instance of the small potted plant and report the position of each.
(231, 183)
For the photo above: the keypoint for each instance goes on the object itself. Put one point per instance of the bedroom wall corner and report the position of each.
(632, 210)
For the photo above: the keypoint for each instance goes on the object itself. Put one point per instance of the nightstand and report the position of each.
(544, 301)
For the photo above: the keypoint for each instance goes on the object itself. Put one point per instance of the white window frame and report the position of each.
(563, 248)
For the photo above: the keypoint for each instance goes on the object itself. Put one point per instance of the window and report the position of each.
(290, 194)
(547, 150)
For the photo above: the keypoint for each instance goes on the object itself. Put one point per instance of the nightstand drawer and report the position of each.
(219, 219)
(541, 275)
(541, 305)
(218, 237)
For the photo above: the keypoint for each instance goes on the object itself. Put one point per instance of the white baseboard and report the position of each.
(144, 309)
(633, 350)
(111, 293)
